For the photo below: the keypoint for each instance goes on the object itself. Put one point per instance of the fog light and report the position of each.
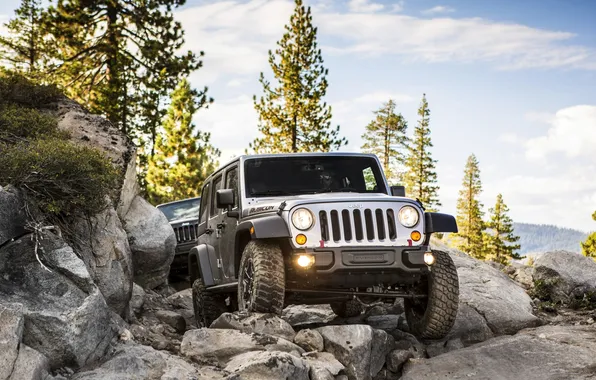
(415, 235)
(305, 261)
(429, 258)
(301, 239)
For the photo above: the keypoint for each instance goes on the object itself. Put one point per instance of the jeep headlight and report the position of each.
(408, 216)
(302, 219)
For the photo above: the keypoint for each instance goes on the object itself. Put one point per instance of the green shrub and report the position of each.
(18, 122)
(15, 88)
(64, 179)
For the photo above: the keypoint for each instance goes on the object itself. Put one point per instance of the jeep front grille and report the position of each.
(351, 225)
(186, 233)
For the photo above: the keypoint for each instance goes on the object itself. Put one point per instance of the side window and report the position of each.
(232, 183)
(216, 186)
(369, 179)
(204, 203)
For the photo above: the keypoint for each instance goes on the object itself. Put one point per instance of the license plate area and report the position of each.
(356, 258)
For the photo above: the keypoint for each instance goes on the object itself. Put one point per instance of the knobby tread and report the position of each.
(347, 309)
(442, 301)
(207, 306)
(269, 282)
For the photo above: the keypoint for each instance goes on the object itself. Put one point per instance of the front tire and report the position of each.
(262, 278)
(207, 306)
(434, 317)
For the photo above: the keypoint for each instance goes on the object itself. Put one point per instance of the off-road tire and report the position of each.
(269, 278)
(207, 306)
(347, 309)
(434, 318)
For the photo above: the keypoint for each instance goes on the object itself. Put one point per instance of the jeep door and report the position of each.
(227, 240)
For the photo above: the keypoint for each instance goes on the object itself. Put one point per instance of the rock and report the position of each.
(439, 348)
(68, 321)
(173, 319)
(323, 361)
(30, 365)
(320, 374)
(397, 358)
(520, 273)
(309, 340)
(12, 215)
(137, 299)
(103, 245)
(383, 322)
(255, 322)
(218, 346)
(565, 277)
(11, 332)
(469, 326)
(152, 241)
(142, 362)
(267, 365)
(351, 345)
(543, 353)
(382, 344)
(181, 299)
(300, 315)
(501, 302)
(385, 374)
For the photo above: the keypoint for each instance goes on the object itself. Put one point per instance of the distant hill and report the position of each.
(540, 238)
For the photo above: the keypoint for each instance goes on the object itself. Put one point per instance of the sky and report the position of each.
(513, 82)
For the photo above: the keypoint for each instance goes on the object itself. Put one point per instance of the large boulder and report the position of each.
(565, 277)
(152, 241)
(102, 243)
(255, 322)
(268, 365)
(66, 317)
(303, 315)
(543, 353)
(12, 215)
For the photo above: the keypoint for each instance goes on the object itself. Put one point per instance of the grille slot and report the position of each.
(358, 225)
(186, 233)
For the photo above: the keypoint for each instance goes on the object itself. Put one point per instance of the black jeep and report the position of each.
(319, 228)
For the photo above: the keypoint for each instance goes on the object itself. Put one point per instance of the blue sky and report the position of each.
(513, 82)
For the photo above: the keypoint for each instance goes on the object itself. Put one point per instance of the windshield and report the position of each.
(186, 209)
(275, 176)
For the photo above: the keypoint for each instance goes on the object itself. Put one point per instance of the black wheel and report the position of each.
(262, 278)
(207, 306)
(347, 309)
(434, 316)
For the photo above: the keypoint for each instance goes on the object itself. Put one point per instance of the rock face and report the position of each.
(66, 317)
(544, 353)
(12, 215)
(566, 277)
(152, 241)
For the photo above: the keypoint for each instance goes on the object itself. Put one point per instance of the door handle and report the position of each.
(221, 225)
(209, 231)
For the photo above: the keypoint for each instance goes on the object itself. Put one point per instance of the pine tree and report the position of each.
(385, 136)
(292, 114)
(25, 48)
(183, 155)
(469, 212)
(499, 238)
(420, 176)
(589, 246)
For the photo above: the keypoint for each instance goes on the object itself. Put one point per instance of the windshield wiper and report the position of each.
(269, 192)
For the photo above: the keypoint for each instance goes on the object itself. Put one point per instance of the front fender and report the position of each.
(438, 222)
(202, 263)
(266, 227)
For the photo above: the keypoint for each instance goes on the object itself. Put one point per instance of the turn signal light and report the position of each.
(300, 239)
(415, 235)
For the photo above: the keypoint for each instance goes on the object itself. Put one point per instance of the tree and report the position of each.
(469, 211)
(25, 48)
(292, 114)
(385, 136)
(589, 246)
(183, 155)
(499, 238)
(420, 176)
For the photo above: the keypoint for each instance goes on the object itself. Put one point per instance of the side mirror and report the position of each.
(398, 191)
(224, 198)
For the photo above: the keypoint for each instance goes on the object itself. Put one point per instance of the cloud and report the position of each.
(438, 9)
(572, 132)
(383, 96)
(510, 138)
(364, 6)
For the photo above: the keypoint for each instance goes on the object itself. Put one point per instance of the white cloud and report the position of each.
(236, 82)
(510, 138)
(438, 9)
(572, 132)
(383, 96)
(364, 6)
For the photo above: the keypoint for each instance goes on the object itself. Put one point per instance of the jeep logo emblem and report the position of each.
(356, 205)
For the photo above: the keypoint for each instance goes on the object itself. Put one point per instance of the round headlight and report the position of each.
(408, 216)
(302, 219)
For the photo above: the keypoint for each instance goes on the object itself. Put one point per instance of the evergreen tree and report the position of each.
(589, 246)
(25, 49)
(292, 114)
(420, 176)
(183, 155)
(385, 136)
(499, 238)
(469, 212)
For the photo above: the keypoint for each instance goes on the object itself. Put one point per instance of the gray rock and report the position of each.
(103, 245)
(309, 340)
(152, 241)
(255, 322)
(300, 315)
(397, 358)
(439, 348)
(267, 365)
(320, 374)
(383, 322)
(341, 377)
(12, 215)
(382, 344)
(520, 273)
(69, 321)
(351, 345)
(543, 353)
(30, 365)
(470, 326)
(323, 361)
(11, 332)
(173, 319)
(385, 374)
(137, 299)
(565, 276)
(181, 299)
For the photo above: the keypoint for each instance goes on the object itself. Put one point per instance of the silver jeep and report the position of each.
(319, 228)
